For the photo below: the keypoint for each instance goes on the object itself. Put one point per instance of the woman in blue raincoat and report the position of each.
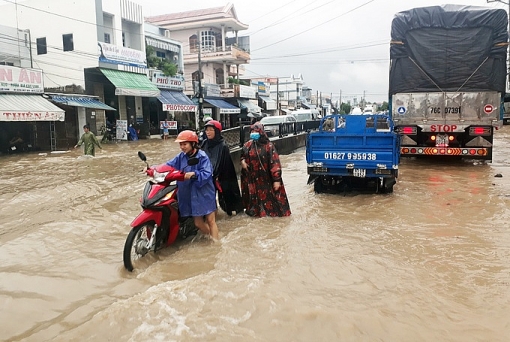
(197, 196)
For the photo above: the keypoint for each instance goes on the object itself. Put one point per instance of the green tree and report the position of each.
(384, 106)
(154, 62)
(345, 108)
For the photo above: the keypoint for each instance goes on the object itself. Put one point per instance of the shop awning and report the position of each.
(131, 84)
(307, 105)
(177, 101)
(16, 107)
(80, 101)
(225, 107)
(250, 107)
(270, 103)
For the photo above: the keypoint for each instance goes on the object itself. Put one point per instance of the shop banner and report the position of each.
(179, 108)
(122, 127)
(31, 116)
(114, 54)
(167, 82)
(172, 125)
(21, 80)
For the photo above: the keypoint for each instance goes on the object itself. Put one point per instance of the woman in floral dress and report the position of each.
(262, 187)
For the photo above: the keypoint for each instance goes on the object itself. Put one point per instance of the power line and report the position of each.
(313, 27)
(289, 17)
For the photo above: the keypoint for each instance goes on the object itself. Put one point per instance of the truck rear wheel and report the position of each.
(388, 183)
(318, 186)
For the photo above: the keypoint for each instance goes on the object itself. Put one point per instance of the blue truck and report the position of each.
(353, 152)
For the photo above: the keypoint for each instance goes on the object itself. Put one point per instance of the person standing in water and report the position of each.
(224, 172)
(89, 140)
(262, 187)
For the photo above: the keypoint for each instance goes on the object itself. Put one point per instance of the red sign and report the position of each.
(443, 128)
(488, 108)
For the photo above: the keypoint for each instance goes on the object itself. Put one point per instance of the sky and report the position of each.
(340, 47)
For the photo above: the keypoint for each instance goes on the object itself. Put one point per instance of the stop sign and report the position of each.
(488, 108)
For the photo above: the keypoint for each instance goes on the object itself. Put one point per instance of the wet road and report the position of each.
(430, 262)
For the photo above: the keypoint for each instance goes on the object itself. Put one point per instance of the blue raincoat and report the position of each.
(197, 197)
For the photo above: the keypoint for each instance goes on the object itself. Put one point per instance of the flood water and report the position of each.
(430, 262)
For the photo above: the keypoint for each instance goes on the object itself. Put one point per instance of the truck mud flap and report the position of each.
(311, 179)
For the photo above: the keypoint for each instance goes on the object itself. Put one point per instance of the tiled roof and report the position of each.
(189, 14)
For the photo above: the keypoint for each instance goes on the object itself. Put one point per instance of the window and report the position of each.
(107, 38)
(208, 41)
(193, 43)
(160, 54)
(7, 63)
(123, 39)
(42, 49)
(67, 39)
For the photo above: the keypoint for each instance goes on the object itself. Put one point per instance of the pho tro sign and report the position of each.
(166, 82)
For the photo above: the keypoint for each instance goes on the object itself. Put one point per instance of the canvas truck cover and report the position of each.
(448, 48)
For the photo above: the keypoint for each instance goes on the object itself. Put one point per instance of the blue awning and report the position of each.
(225, 107)
(176, 101)
(80, 101)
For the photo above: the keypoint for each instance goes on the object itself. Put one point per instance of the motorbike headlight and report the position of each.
(159, 176)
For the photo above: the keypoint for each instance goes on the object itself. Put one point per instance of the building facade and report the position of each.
(213, 53)
(94, 50)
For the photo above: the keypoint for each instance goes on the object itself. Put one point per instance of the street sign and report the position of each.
(488, 108)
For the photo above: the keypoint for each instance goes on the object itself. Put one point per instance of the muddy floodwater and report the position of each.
(430, 262)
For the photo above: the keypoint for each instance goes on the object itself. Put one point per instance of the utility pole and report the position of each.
(278, 95)
(200, 118)
(340, 101)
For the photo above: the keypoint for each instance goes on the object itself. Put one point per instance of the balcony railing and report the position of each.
(216, 53)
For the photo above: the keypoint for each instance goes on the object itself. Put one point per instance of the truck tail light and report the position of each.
(408, 130)
(479, 131)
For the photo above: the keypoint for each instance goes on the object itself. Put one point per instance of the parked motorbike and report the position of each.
(159, 224)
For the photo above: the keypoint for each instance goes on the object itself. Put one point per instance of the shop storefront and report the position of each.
(28, 121)
(223, 111)
(249, 110)
(36, 122)
(174, 105)
(80, 110)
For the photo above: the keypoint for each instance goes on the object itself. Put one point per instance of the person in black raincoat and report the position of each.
(224, 173)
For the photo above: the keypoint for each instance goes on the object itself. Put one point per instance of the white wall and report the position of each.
(52, 19)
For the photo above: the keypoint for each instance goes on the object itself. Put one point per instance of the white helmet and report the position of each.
(207, 119)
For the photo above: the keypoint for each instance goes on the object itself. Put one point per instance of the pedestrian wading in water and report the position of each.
(197, 196)
(89, 140)
(262, 187)
(224, 172)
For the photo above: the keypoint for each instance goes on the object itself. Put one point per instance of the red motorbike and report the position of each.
(159, 224)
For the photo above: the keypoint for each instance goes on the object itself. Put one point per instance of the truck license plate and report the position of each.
(359, 173)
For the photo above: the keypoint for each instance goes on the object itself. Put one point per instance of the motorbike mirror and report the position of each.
(192, 161)
(142, 156)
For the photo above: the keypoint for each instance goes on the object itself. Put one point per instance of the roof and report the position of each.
(28, 107)
(79, 101)
(214, 14)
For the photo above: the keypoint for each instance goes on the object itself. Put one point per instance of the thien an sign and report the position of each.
(21, 80)
(31, 116)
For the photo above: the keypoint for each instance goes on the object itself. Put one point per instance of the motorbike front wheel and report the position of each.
(135, 247)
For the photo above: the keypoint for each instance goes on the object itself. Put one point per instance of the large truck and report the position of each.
(353, 152)
(447, 79)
